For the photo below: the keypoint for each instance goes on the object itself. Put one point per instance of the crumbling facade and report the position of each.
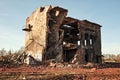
(52, 35)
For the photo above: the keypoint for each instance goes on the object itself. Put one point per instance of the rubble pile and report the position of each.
(12, 60)
(16, 60)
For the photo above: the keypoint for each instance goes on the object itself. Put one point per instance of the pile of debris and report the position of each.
(16, 60)
(12, 60)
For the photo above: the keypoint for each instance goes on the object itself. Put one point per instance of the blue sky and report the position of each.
(13, 14)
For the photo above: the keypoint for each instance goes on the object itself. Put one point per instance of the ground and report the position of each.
(57, 73)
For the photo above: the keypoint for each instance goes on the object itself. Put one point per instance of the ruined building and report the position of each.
(50, 34)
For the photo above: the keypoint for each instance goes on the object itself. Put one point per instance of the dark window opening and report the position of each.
(98, 59)
(86, 57)
(69, 55)
(92, 39)
(41, 9)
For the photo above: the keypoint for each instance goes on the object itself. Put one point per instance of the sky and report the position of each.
(13, 14)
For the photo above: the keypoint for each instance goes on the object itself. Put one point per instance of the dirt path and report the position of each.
(45, 73)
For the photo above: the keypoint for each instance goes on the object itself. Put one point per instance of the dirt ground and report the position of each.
(13, 68)
(54, 73)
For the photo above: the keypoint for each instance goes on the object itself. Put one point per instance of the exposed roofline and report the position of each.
(75, 20)
(91, 22)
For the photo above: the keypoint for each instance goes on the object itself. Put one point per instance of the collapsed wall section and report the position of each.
(82, 41)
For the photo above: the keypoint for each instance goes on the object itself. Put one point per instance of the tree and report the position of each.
(2, 52)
